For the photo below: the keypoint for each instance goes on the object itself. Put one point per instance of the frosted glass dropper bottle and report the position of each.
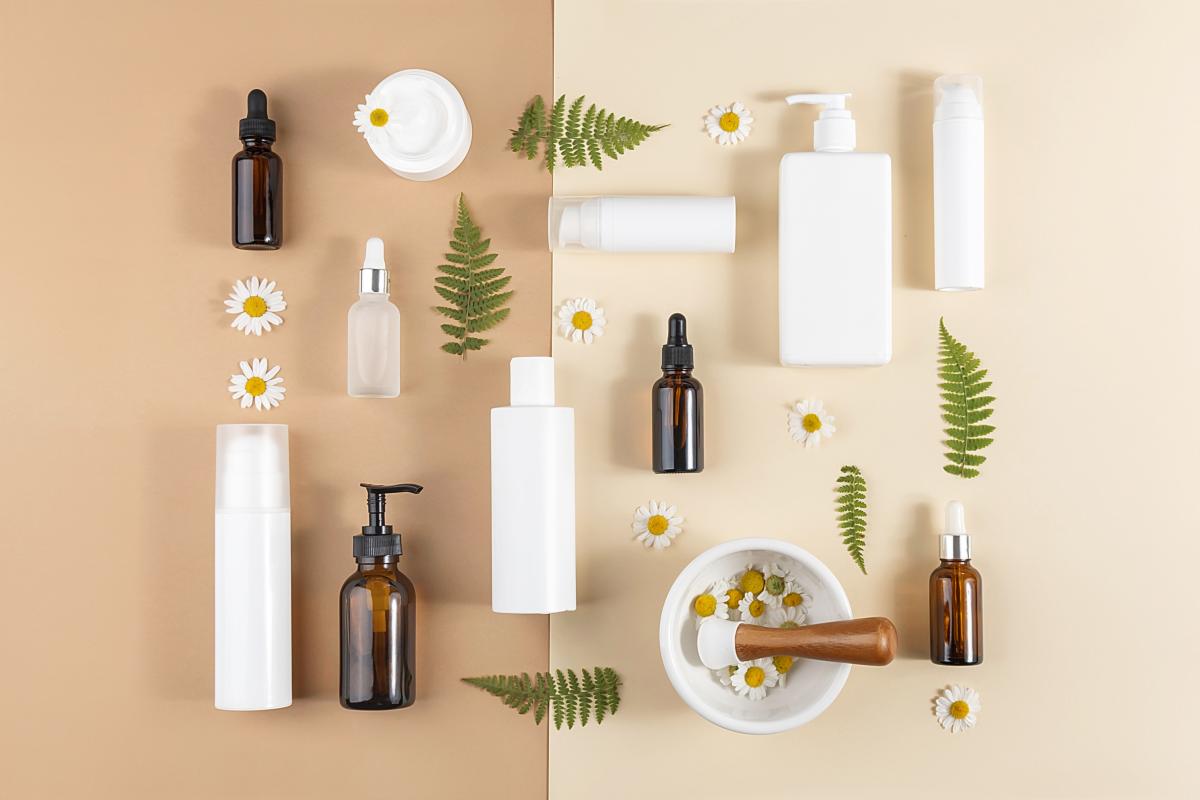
(373, 331)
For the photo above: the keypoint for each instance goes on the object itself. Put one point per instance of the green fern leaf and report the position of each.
(573, 137)
(851, 490)
(564, 697)
(469, 284)
(964, 406)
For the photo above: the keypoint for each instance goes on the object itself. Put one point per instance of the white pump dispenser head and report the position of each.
(834, 130)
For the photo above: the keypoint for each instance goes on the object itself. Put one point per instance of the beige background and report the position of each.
(118, 123)
(1084, 516)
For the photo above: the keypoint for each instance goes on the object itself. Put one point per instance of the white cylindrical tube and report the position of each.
(643, 224)
(253, 624)
(533, 496)
(958, 183)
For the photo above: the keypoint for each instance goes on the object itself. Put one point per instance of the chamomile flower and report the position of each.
(809, 423)
(372, 118)
(581, 320)
(656, 524)
(783, 665)
(753, 610)
(730, 124)
(733, 599)
(709, 605)
(777, 582)
(955, 708)
(257, 386)
(753, 678)
(752, 581)
(797, 597)
(257, 304)
(785, 616)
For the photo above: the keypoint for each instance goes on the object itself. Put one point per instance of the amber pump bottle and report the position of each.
(678, 406)
(956, 598)
(257, 181)
(378, 616)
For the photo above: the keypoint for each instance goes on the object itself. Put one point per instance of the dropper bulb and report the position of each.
(956, 518)
(373, 256)
(256, 104)
(677, 330)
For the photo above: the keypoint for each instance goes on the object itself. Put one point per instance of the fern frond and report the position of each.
(573, 137)
(964, 405)
(563, 696)
(851, 490)
(469, 284)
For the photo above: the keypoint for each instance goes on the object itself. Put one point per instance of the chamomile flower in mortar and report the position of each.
(709, 605)
(797, 597)
(753, 678)
(956, 707)
(656, 524)
(581, 320)
(257, 385)
(809, 423)
(752, 581)
(257, 304)
(783, 665)
(372, 118)
(777, 582)
(733, 599)
(729, 124)
(786, 616)
(753, 610)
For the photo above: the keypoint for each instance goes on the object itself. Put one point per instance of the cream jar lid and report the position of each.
(430, 130)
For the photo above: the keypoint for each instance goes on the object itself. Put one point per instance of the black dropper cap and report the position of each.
(377, 538)
(256, 125)
(677, 353)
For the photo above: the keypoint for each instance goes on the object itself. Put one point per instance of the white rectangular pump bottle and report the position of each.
(533, 496)
(835, 247)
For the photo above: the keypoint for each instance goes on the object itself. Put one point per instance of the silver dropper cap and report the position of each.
(373, 277)
(955, 543)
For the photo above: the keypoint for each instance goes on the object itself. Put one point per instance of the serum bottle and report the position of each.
(373, 331)
(677, 406)
(956, 598)
(378, 616)
(257, 181)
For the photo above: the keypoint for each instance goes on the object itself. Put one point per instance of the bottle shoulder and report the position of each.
(678, 380)
(374, 303)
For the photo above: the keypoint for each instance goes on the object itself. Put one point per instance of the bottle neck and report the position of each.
(677, 370)
(257, 143)
(377, 563)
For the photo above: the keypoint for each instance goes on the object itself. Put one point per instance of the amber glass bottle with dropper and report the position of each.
(956, 598)
(677, 406)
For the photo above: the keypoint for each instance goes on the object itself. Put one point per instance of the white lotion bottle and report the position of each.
(649, 224)
(533, 496)
(835, 247)
(958, 183)
(373, 331)
(253, 579)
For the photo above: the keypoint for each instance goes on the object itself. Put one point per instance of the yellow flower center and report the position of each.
(959, 709)
(255, 386)
(255, 306)
(790, 625)
(752, 582)
(582, 320)
(775, 585)
(735, 597)
(729, 122)
(783, 663)
(811, 423)
(755, 677)
(657, 525)
(705, 605)
(756, 608)
(379, 117)
(793, 599)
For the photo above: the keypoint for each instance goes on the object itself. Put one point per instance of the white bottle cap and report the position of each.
(955, 543)
(252, 468)
(574, 223)
(834, 131)
(958, 97)
(531, 381)
(373, 277)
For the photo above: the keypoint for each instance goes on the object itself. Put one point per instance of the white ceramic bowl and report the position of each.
(811, 686)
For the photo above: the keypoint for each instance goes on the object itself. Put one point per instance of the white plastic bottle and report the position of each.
(665, 224)
(253, 578)
(373, 331)
(958, 183)
(835, 247)
(533, 496)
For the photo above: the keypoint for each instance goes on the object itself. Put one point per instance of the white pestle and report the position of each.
(715, 643)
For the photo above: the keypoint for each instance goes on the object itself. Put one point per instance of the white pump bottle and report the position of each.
(835, 246)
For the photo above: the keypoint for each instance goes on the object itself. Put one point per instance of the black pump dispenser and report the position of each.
(257, 125)
(677, 353)
(377, 539)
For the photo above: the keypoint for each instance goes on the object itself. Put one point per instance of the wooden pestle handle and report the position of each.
(870, 641)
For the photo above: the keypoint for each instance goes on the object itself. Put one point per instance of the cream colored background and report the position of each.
(1084, 516)
(118, 122)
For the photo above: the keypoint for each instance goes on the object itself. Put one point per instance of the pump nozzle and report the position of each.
(834, 130)
(377, 538)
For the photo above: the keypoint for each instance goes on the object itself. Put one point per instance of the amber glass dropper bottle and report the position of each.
(677, 406)
(257, 180)
(956, 598)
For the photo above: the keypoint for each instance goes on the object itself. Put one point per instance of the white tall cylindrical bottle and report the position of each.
(253, 622)
(958, 183)
(651, 224)
(533, 496)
